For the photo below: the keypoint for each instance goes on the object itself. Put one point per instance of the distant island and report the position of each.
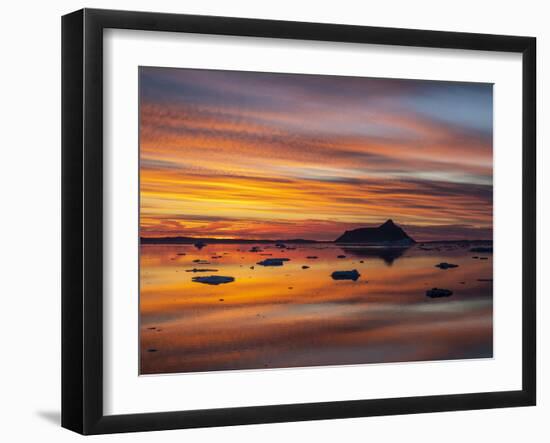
(206, 240)
(388, 233)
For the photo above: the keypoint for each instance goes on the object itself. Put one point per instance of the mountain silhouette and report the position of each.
(387, 233)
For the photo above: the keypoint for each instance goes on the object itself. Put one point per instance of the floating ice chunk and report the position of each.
(213, 279)
(437, 292)
(445, 265)
(346, 275)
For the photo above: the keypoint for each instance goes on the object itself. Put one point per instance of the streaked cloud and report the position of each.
(237, 154)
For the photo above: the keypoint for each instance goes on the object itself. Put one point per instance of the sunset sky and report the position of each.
(277, 156)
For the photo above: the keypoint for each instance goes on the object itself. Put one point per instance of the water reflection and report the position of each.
(297, 315)
(388, 255)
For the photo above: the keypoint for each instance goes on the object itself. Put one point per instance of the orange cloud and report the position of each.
(266, 172)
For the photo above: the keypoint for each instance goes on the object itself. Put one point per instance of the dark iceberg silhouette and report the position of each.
(445, 265)
(214, 280)
(438, 292)
(346, 275)
(386, 234)
(273, 261)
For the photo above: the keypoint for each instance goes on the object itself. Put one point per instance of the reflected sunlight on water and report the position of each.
(287, 316)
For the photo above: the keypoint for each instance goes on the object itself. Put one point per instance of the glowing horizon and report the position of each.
(229, 154)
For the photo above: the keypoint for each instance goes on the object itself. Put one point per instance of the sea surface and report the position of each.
(290, 316)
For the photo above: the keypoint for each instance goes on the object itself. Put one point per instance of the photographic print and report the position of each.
(293, 220)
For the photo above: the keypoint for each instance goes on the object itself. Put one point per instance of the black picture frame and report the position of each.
(82, 219)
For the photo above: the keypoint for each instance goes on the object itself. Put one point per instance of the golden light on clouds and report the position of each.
(267, 156)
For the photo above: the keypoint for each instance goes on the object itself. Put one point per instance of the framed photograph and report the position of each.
(269, 221)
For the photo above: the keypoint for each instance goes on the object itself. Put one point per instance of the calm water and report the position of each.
(286, 316)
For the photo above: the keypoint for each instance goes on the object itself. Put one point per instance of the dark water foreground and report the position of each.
(295, 314)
